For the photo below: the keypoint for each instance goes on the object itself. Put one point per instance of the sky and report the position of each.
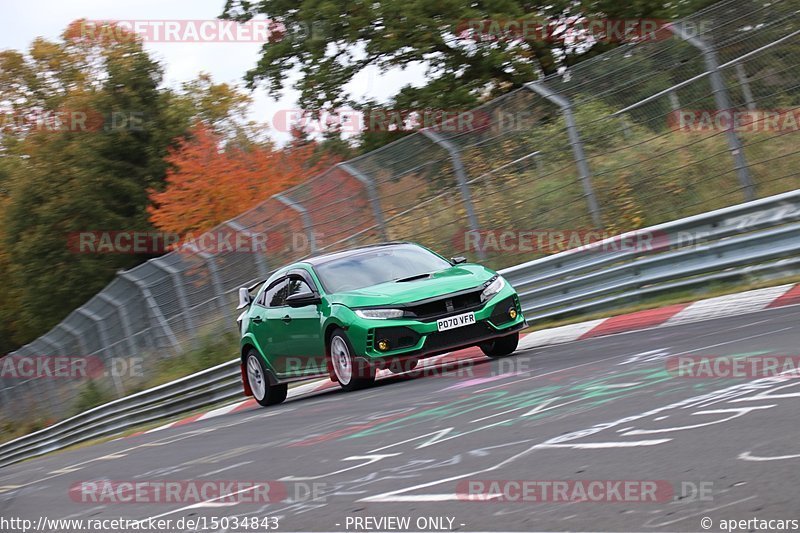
(21, 21)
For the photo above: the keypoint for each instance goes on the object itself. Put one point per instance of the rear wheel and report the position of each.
(502, 346)
(351, 372)
(264, 393)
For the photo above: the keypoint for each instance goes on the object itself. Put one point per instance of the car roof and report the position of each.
(321, 259)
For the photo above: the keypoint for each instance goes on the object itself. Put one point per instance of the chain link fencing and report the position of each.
(624, 140)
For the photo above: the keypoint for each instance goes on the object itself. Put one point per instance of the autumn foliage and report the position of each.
(208, 185)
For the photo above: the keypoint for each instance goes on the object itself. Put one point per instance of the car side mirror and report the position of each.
(244, 298)
(303, 299)
(458, 260)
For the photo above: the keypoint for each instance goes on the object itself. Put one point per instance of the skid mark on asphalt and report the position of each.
(567, 441)
(564, 441)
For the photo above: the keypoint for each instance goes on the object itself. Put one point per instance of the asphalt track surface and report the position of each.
(600, 409)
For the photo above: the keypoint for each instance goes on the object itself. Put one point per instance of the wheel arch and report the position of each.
(245, 350)
(246, 347)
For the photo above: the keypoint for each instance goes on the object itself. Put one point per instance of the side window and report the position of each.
(276, 295)
(298, 286)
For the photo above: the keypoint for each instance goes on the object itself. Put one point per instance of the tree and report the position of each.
(331, 42)
(60, 176)
(222, 107)
(210, 182)
(89, 131)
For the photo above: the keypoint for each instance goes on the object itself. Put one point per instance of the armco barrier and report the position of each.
(734, 241)
(753, 237)
(214, 385)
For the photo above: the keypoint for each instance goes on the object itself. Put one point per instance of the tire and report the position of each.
(398, 367)
(351, 372)
(264, 393)
(501, 347)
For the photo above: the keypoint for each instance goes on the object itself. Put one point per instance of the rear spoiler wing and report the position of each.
(256, 286)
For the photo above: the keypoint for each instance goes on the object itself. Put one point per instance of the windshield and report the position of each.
(377, 265)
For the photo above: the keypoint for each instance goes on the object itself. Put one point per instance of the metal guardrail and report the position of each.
(734, 241)
(753, 237)
(214, 385)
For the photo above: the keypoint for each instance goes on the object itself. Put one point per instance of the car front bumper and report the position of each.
(416, 339)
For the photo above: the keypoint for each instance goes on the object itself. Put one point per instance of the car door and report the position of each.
(304, 341)
(267, 325)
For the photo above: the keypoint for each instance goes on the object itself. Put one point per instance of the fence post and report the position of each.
(30, 385)
(181, 293)
(461, 176)
(6, 401)
(152, 306)
(626, 128)
(576, 144)
(124, 319)
(52, 388)
(745, 84)
(372, 192)
(674, 102)
(211, 263)
(106, 342)
(261, 263)
(723, 104)
(75, 333)
(307, 224)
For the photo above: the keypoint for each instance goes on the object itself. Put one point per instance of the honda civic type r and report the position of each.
(347, 314)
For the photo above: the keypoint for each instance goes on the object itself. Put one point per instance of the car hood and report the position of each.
(454, 279)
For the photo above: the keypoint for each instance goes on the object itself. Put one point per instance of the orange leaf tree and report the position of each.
(208, 184)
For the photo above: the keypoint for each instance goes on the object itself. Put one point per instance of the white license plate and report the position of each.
(457, 321)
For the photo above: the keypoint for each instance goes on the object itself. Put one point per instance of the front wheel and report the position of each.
(264, 393)
(502, 346)
(351, 372)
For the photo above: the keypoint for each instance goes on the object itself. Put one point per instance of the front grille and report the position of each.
(438, 307)
(439, 340)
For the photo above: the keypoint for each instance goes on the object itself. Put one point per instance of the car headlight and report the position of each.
(492, 287)
(380, 313)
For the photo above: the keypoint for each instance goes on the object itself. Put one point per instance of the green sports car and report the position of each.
(348, 314)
